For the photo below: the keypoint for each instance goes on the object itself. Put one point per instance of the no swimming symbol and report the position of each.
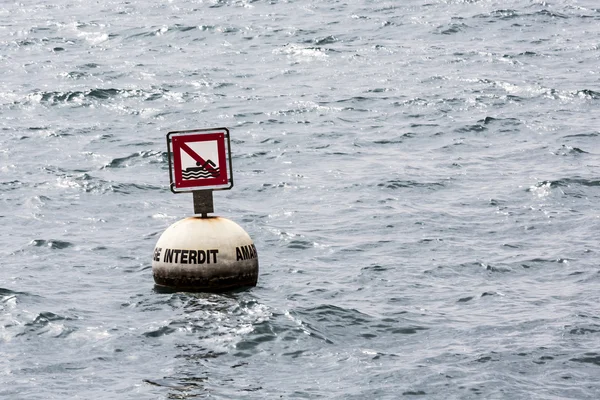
(200, 160)
(204, 168)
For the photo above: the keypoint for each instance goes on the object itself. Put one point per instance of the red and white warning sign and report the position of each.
(201, 160)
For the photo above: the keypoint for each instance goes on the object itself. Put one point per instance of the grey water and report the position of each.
(421, 180)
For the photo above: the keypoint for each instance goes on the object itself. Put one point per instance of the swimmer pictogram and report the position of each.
(206, 170)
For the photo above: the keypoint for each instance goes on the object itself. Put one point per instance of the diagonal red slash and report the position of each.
(199, 160)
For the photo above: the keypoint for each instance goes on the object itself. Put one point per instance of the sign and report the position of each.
(199, 159)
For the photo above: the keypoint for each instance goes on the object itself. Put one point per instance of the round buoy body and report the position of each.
(205, 254)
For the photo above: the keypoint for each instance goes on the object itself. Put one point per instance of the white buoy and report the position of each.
(205, 254)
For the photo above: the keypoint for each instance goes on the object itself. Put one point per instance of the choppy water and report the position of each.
(421, 180)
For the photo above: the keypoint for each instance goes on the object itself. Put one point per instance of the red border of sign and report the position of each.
(220, 180)
(174, 140)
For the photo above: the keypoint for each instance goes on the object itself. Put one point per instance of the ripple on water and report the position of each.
(51, 243)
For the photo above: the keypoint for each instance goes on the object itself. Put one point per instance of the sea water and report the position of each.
(421, 180)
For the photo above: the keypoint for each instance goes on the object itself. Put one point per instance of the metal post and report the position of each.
(203, 202)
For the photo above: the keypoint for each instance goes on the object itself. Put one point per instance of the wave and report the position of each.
(399, 184)
(97, 95)
(53, 244)
(186, 175)
(154, 157)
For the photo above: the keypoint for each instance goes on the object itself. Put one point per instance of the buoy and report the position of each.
(205, 254)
